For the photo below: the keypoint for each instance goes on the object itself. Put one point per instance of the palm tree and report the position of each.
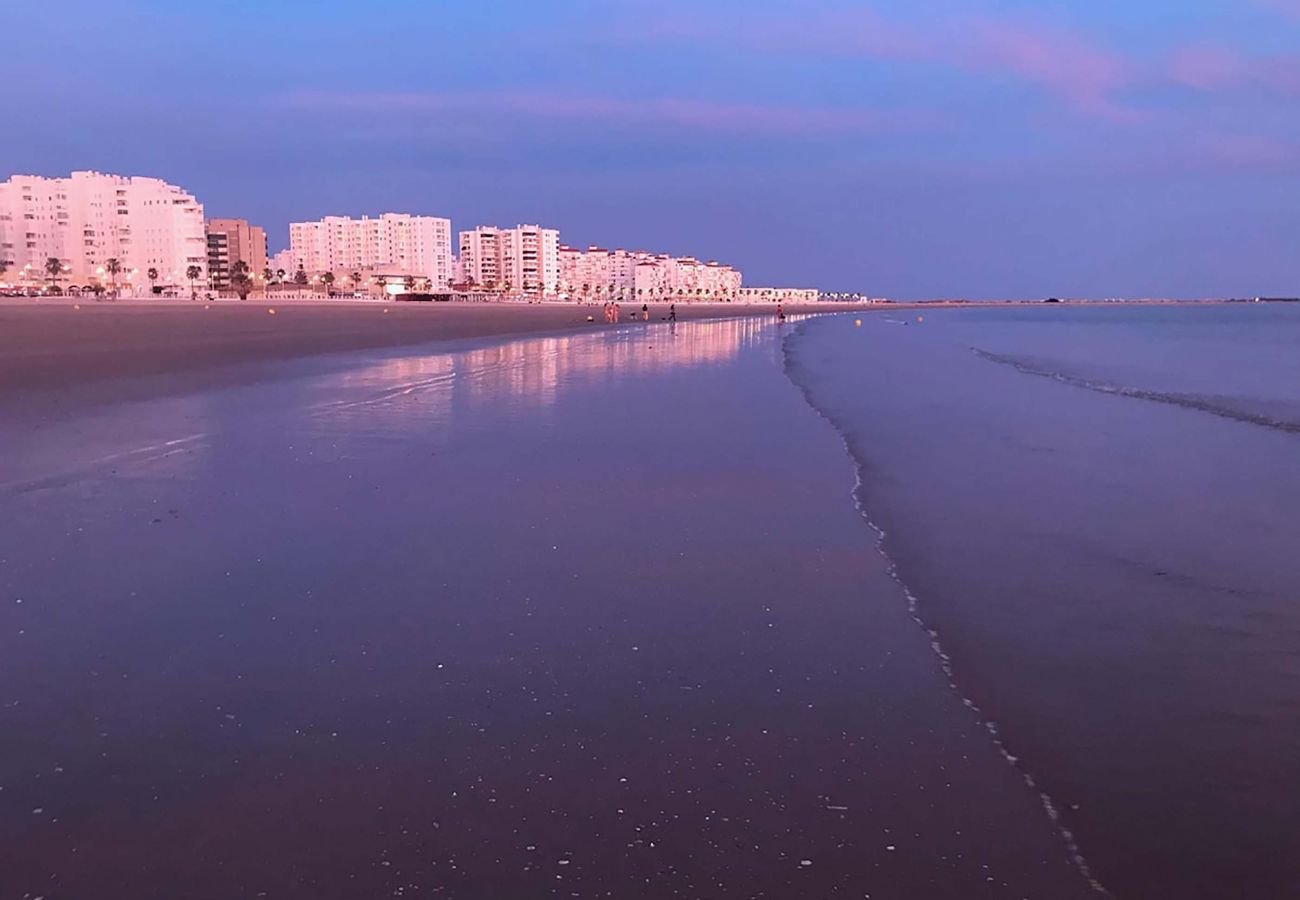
(279, 276)
(113, 267)
(4, 267)
(152, 274)
(408, 283)
(382, 283)
(300, 277)
(356, 281)
(328, 278)
(54, 269)
(267, 275)
(241, 280)
(193, 272)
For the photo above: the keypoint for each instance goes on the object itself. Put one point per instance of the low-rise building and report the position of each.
(778, 295)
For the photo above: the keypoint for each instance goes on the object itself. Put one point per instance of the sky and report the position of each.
(907, 149)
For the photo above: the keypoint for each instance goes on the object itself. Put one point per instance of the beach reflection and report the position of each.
(192, 434)
(534, 371)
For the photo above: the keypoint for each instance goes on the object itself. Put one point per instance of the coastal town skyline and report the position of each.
(140, 236)
(978, 148)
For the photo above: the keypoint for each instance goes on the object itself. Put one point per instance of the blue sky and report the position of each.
(985, 148)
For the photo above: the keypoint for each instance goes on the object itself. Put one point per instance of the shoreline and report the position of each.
(798, 374)
(961, 471)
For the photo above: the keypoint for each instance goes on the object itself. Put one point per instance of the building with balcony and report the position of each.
(152, 229)
(420, 245)
(599, 274)
(524, 259)
(232, 241)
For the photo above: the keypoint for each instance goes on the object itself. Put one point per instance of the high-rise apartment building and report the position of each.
(89, 218)
(231, 241)
(414, 245)
(523, 259)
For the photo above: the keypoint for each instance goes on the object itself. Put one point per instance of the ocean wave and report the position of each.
(1050, 807)
(1225, 407)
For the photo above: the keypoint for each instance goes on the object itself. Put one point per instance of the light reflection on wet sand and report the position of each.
(536, 369)
(532, 371)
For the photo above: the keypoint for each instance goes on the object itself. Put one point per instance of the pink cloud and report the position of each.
(1060, 62)
(1064, 64)
(684, 113)
(1207, 68)
(1217, 69)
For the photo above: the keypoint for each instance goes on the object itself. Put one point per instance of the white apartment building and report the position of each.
(88, 218)
(415, 245)
(597, 273)
(525, 259)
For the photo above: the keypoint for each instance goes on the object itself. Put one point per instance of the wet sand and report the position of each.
(585, 615)
(56, 343)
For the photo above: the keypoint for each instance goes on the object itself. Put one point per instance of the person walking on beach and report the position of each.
(672, 312)
(645, 313)
(614, 307)
(609, 314)
(780, 313)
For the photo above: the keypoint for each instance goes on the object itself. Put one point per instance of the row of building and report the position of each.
(143, 235)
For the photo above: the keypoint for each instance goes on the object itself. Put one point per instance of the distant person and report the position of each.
(614, 307)
(609, 314)
(780, 313)
(672, 312)
(645, 313)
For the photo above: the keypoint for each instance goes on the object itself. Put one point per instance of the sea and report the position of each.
(1095, 514)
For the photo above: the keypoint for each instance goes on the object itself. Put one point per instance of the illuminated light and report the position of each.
(76, 306)
(920, 318)
(385, 310)
(270, 312)
(857, 322)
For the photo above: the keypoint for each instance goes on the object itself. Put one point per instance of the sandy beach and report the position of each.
(56, 343)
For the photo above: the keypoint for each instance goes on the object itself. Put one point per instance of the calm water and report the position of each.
(1097, 511)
